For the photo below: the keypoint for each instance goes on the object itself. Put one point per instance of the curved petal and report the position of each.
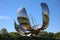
(21, 31)
(23, 19)
(45, 14)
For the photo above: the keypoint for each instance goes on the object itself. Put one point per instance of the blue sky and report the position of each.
(8, 13)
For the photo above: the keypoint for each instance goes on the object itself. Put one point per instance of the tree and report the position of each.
(3, 31)
(43, 33)
(51, 35)
(57, 35)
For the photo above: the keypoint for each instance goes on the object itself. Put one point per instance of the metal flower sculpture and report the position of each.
(24, 28)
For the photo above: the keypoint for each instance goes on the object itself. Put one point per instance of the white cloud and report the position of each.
(4, 17)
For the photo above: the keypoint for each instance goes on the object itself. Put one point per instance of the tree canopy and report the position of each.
(5, 35)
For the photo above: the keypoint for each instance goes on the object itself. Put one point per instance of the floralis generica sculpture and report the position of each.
(24, 28)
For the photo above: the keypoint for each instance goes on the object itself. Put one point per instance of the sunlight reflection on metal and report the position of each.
(24, 28)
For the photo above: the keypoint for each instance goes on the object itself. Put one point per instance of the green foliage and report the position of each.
(57, 35)
(42, 36)
(43, 33)
(3, 31)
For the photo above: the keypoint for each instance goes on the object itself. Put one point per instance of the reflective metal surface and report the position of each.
(24, 28)
(45, 15)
